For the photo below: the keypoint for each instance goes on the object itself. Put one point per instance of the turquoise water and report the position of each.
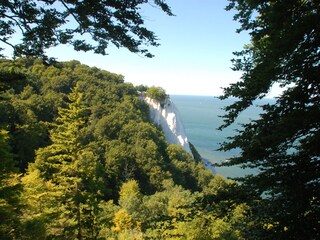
(200, 115)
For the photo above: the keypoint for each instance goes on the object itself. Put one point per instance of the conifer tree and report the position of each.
(69, 168)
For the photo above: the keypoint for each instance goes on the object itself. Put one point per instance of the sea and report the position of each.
(200, 115)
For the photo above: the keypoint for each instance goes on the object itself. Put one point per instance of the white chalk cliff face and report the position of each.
(166, 115)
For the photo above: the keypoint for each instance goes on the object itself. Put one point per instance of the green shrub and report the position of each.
(157, 93)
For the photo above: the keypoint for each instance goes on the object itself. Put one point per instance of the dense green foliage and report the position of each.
(43, 24)
(80, 159)
(156, 93)
(284, 142)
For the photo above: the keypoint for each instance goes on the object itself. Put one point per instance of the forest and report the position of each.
(81, 160)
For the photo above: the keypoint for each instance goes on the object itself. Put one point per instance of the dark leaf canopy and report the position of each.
(284, 143)
(284, 49)
(86, 25)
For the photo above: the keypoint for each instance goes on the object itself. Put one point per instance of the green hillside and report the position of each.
(80, 159)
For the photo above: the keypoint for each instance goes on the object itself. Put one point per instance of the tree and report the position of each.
(157, 93)
(10, 189)
(284, 142)
(126, 220)
(48, 23)
(69, 175)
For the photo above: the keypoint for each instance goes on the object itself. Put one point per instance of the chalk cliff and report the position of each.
(166, 115)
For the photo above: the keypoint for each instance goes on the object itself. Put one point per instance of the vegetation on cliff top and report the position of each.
(156, 93)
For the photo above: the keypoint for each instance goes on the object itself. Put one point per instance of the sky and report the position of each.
(194, 55)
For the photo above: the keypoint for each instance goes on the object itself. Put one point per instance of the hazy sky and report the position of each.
(194, 55)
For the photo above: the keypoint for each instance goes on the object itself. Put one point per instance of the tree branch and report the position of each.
(15, 20)
(73, 15)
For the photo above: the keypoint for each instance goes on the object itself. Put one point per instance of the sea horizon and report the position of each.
(200, 116)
